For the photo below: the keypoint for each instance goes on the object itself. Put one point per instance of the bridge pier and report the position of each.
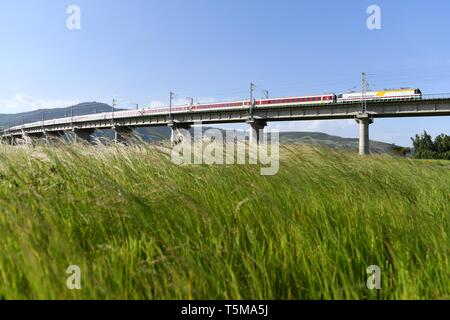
(123, 134)
(8, 140)
(53, 136)
(364, 121)
(180, 132)
(83, 135)
(256, 129)
(33, 138)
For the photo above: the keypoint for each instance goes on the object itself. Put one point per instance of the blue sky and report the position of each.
(139, 50)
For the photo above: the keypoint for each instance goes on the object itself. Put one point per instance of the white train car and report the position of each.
(392, 94)
(301, 100)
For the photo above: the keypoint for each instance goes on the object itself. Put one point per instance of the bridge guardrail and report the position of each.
(435, 96)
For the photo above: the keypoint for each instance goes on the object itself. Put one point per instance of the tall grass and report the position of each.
(140, 227)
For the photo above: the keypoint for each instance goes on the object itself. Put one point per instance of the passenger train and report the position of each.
(323, 99)
(391, 94)
(330, 98)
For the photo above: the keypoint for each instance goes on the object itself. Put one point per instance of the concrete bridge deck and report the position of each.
(257, 117)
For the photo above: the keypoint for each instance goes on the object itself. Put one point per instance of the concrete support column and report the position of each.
(53, 136)
(256, 130)
(9, 140)
(83, 135)
(180, 132)
(123, 134)
(364, 122)
(34, 138)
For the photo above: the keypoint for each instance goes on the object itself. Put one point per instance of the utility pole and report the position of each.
(137, 106)
(43, 126)
(112, 113)
(365, 88)
(191, 102)
(71, 116)
(252, 88)
(266, 94)
(172, 96)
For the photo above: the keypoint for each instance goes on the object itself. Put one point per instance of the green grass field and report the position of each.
(140, 227)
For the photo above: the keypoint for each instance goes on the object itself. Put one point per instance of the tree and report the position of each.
(426, 148)
(442, 143)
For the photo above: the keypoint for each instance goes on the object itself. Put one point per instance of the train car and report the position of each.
(274, 102)
(391, 94)
(302, 100)
(197, 107)
(220, 105)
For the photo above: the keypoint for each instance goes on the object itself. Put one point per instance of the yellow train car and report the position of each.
(388, 94)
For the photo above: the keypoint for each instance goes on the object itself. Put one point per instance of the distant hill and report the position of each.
(336, 141)
(163, 133)
(36, 115)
